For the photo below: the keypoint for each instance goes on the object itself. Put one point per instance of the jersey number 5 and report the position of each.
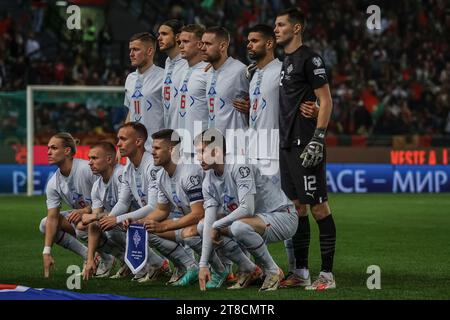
(167, 93)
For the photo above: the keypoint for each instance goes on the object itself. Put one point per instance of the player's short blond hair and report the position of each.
(195, 29)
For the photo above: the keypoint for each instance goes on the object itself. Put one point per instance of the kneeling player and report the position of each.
(179, 189)
(71, 183)
(256, 211)
(105, 193)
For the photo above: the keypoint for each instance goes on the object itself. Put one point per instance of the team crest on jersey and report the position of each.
(195, 180)
(289, 68)
(168, 80)
(317, 61)
(212, 91)
(137, 94)
(229, 203)
(153, 173)
(244, 172)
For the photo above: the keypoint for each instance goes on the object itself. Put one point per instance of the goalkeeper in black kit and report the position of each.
(302, 148)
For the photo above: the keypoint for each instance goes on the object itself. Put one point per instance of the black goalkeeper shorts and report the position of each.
(309, 185)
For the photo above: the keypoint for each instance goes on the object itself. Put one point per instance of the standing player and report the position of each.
(192, 110)
(256, 211)
(168, 39)
(226, 82)
(71, 183)
(302, 147)
(180, 189)
(264, 107)
(138, 182)
(105, 193)
(143, 86)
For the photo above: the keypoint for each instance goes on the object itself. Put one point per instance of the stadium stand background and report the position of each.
(390, 87)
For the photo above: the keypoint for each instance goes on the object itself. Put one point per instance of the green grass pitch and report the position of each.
(406, 235)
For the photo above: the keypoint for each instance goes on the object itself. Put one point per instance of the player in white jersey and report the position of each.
(105, 194)
(264, 108)
(263, 118)
(72, 184)
(192, 115)
(179, 188)
(255, 210)
(226, 82)
(138, 182)
(168, 39)
(143, 86)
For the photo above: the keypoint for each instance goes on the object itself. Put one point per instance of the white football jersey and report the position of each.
(74, 190)
(227, 191)
(140, 183)
(191, 102)
(182, 189)
(143, 99)
(225, 85)
(264, 109)
(173, 73)
(105, 195)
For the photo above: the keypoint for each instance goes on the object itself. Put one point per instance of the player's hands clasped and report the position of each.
(312, 155)
(74, 217)
(308, 109)
(107, 222)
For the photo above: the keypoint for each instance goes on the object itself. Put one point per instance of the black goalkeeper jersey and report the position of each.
(303, 71)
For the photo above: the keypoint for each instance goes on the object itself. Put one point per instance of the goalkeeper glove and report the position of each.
(312, 155)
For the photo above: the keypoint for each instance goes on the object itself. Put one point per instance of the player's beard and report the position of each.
(212, 58)
(169, 46)
(256, 55)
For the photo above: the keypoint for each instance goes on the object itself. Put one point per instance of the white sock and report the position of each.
(153, 259)
(172, 250)
(67, 241)
(233, 251)
(255, 244)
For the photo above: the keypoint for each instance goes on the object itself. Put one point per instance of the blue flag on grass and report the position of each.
(15, 292)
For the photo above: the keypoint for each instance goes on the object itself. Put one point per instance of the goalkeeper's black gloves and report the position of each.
(312, 155)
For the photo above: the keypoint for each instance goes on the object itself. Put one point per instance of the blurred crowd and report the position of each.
(390, 81)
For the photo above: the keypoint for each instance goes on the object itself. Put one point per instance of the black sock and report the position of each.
(327, 232)
(300, 241)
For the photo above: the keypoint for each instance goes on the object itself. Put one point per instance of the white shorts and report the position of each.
(280, 225)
